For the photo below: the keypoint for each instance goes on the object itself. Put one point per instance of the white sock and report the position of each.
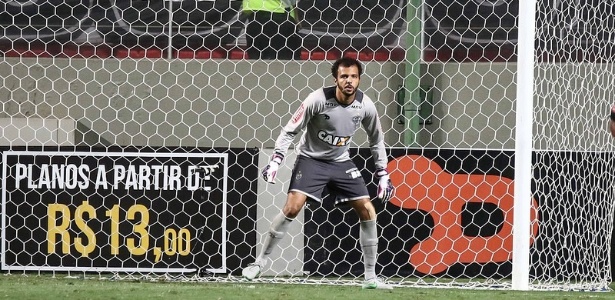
(279, 227)
(368, 237)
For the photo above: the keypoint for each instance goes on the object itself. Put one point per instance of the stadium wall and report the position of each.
(115, 102)
(209, 103)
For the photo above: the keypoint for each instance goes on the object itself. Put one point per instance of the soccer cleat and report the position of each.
(251, 271)
(376, 284)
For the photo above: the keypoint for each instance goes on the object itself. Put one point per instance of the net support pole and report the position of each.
(170, 38)
(412, 101)
(523, 145)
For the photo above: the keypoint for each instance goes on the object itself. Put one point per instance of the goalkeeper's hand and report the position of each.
(385, 187)
(272, 168)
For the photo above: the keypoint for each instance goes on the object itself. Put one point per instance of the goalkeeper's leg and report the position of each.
(277, 230)
(368, 238)
(279, 227)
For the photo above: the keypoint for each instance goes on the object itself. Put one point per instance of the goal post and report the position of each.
(134, 133)
(523, 145)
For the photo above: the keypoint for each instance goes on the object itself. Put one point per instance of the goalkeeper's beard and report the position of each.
(352, 92)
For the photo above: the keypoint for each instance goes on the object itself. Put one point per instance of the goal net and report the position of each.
(574, 65)
(134, 132)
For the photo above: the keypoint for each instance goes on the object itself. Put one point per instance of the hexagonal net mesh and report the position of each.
(134, 132)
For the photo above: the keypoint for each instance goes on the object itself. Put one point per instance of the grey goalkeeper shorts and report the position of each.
(342, 179)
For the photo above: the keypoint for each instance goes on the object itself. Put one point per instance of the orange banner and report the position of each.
(421, 184)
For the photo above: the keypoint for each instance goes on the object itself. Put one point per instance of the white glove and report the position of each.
(272, 168)
(385, 186)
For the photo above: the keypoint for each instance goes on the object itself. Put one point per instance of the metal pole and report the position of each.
(523, 145)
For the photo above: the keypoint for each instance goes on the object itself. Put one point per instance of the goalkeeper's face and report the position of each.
(347, 81)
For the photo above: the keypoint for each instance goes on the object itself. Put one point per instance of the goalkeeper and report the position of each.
(331, 116)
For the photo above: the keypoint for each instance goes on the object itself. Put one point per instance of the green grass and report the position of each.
(47, 287)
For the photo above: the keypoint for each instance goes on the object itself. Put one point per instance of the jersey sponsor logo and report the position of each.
(333, 140)
(357, 121)
(330, 104)
(298, 114)
(326, 116)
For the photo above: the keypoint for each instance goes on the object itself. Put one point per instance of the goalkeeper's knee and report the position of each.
(276, 234)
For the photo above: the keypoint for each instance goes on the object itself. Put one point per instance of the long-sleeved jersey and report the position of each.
(330, 127)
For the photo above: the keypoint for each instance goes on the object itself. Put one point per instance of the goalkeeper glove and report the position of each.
(385, 187)
(272, 168)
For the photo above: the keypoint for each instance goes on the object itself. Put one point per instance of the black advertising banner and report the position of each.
(452, 214)
(419, 229)
(124, 211)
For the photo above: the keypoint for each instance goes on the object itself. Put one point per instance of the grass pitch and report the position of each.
(47, 287)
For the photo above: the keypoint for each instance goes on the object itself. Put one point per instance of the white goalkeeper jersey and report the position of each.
(330, 127)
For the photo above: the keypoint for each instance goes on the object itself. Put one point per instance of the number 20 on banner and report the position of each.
(175, 241)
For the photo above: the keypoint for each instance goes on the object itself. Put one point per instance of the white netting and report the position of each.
(573, 91)
(150, 92)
